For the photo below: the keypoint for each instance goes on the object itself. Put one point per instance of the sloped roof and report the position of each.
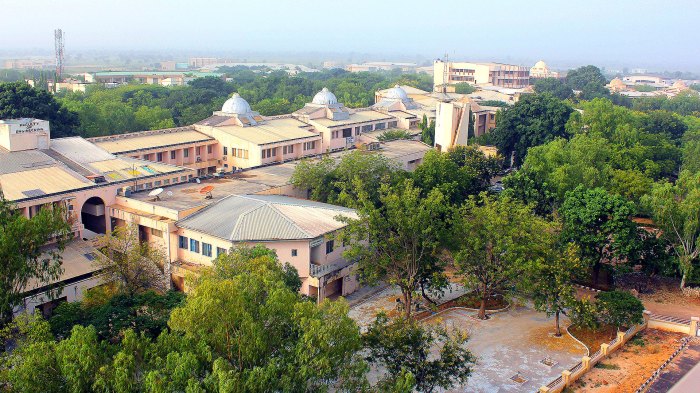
(266, 217)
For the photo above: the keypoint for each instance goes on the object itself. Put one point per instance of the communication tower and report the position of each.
(58, 41)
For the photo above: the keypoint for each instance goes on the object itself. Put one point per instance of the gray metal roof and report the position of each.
(19, 161)
(80, 150)
(266, 217)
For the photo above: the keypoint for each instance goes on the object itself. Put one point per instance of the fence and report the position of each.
(687, 326)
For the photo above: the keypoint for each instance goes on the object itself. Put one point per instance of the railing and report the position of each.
(576, 367)
(322, 270)
(665, 318)
(596, 354)
(556, 382)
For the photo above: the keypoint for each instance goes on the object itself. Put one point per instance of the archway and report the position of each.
(92, 216)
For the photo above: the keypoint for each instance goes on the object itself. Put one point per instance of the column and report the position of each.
(566, 377)
(694, 326)
(604, 349)
(586, 363)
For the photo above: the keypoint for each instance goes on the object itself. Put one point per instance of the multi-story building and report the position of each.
(496, 74)
(541, 70)
(199, 62)
(381, 66)
(164, 78)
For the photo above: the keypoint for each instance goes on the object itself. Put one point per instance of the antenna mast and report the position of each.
(445, 73)
(58, 41)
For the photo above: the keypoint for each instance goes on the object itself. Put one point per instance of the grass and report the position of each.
(638, 340)
(606, 366)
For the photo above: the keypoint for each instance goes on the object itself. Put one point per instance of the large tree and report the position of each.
(496, 238)
(554, 86)
(617, 308)
(582, 77)
(600, 224)
(136, 266)
(534, 120)
(676, 209)
(397, 241)
(403, 345)
(18, 99)
(23, 258)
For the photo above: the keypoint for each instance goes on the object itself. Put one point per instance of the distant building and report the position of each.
(495, 74)
(541, 70)
(381, 66)
(72, 85)
(198, 62)
(173, 66)
(24, 64)
(163, 78)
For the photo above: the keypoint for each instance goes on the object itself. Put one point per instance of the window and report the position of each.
(367, 128)
(225, 150)
(234, 152)
(310, 145)
(183, 242)
(357, 130)
(380, 126)
(264, 153)
(198, 150)
(174, 180)
(166, 182)
(287, 149)
(194, 245)
(172, 154)
(156, 232)
(206, 249)
(159, 157)
(220, 251)
(186, 153)
(183, 178)
(329, 246)
(148, 185)
(347, 132)
(294, 252)
(210, 149)
(157, 183)
(393, 124)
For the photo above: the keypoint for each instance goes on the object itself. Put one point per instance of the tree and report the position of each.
(534, 120)
(554, 86)
(23, 258)
(19, 100)
(617, 308)
(464, 88)
(405, 346)
(582, 77)
(553, 279)
(392, 135)
(676, 210)
(600, 224)
(396, 241)
(457, 173)
(133, 264)
(663, 122)
(427, 134)
(495, 240)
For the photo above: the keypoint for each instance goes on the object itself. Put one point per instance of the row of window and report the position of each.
(239, 153)
(310, 145)
(184, 242)
(159, 183)
(267, 153)
(185, 153)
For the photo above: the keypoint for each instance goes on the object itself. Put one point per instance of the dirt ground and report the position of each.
(630, 366)
(669, 300)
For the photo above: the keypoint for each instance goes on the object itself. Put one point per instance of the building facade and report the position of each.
(495, 74)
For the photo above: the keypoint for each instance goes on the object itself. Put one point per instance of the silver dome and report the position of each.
(396, 93)
(236, 105)
(325, 97)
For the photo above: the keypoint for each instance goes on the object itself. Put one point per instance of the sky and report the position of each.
(661, 35)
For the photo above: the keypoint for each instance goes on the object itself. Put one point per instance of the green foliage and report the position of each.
(404, 347)
(464, 88)
(532, 121)
(427, 135)
(22, 254)
(600, 224)
(584, 314)
(554, 86)
(392, 135)
(584, 76)
(504, 237)
(663, 122)
(457, 173)
(397, 240)
(496, 103)
(18, 99)
(676, 210)
(145, 313)
(341, 183)
(684, 103)
(619, 309)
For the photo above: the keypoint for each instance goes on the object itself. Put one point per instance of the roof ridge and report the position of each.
(243, 214)
(289, 220)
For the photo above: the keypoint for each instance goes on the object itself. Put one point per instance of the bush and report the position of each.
(619, 309)
(392, 135)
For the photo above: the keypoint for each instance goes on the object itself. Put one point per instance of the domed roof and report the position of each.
(236, 105)
(396, 93)
(325, 97)
(540, 64)
(617, 82)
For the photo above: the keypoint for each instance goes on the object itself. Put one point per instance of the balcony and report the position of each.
(323, 270)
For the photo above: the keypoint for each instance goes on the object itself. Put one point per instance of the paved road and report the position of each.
(677, 369)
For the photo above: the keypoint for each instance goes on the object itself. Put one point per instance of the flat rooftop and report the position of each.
(271, 131)
(78, 261)
(149, 140)
(357, 117)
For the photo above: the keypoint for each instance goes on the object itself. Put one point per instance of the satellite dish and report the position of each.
(155, 193)
(206, 190)
(197, 180)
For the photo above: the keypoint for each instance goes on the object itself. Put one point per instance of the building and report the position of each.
(72, 85)
(164, 78)
(199, 62)
(495, 74)
(300, 231)
(381, 66)
(541, 70)
(25, 64)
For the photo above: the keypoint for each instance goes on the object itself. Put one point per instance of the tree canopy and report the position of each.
(18, 99)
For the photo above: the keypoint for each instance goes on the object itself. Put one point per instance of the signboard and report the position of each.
(30, 126)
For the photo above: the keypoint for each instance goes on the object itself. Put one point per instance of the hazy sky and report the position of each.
(633, 33)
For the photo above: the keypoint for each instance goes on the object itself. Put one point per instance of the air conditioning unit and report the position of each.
(199, 159)
(124, 191)
(349, 140)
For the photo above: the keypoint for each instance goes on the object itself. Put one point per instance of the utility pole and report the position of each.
(59, 45)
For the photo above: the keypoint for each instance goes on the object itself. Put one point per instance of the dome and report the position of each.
(324, 97)
(396, 93)
(236, 105)
(540, 65)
